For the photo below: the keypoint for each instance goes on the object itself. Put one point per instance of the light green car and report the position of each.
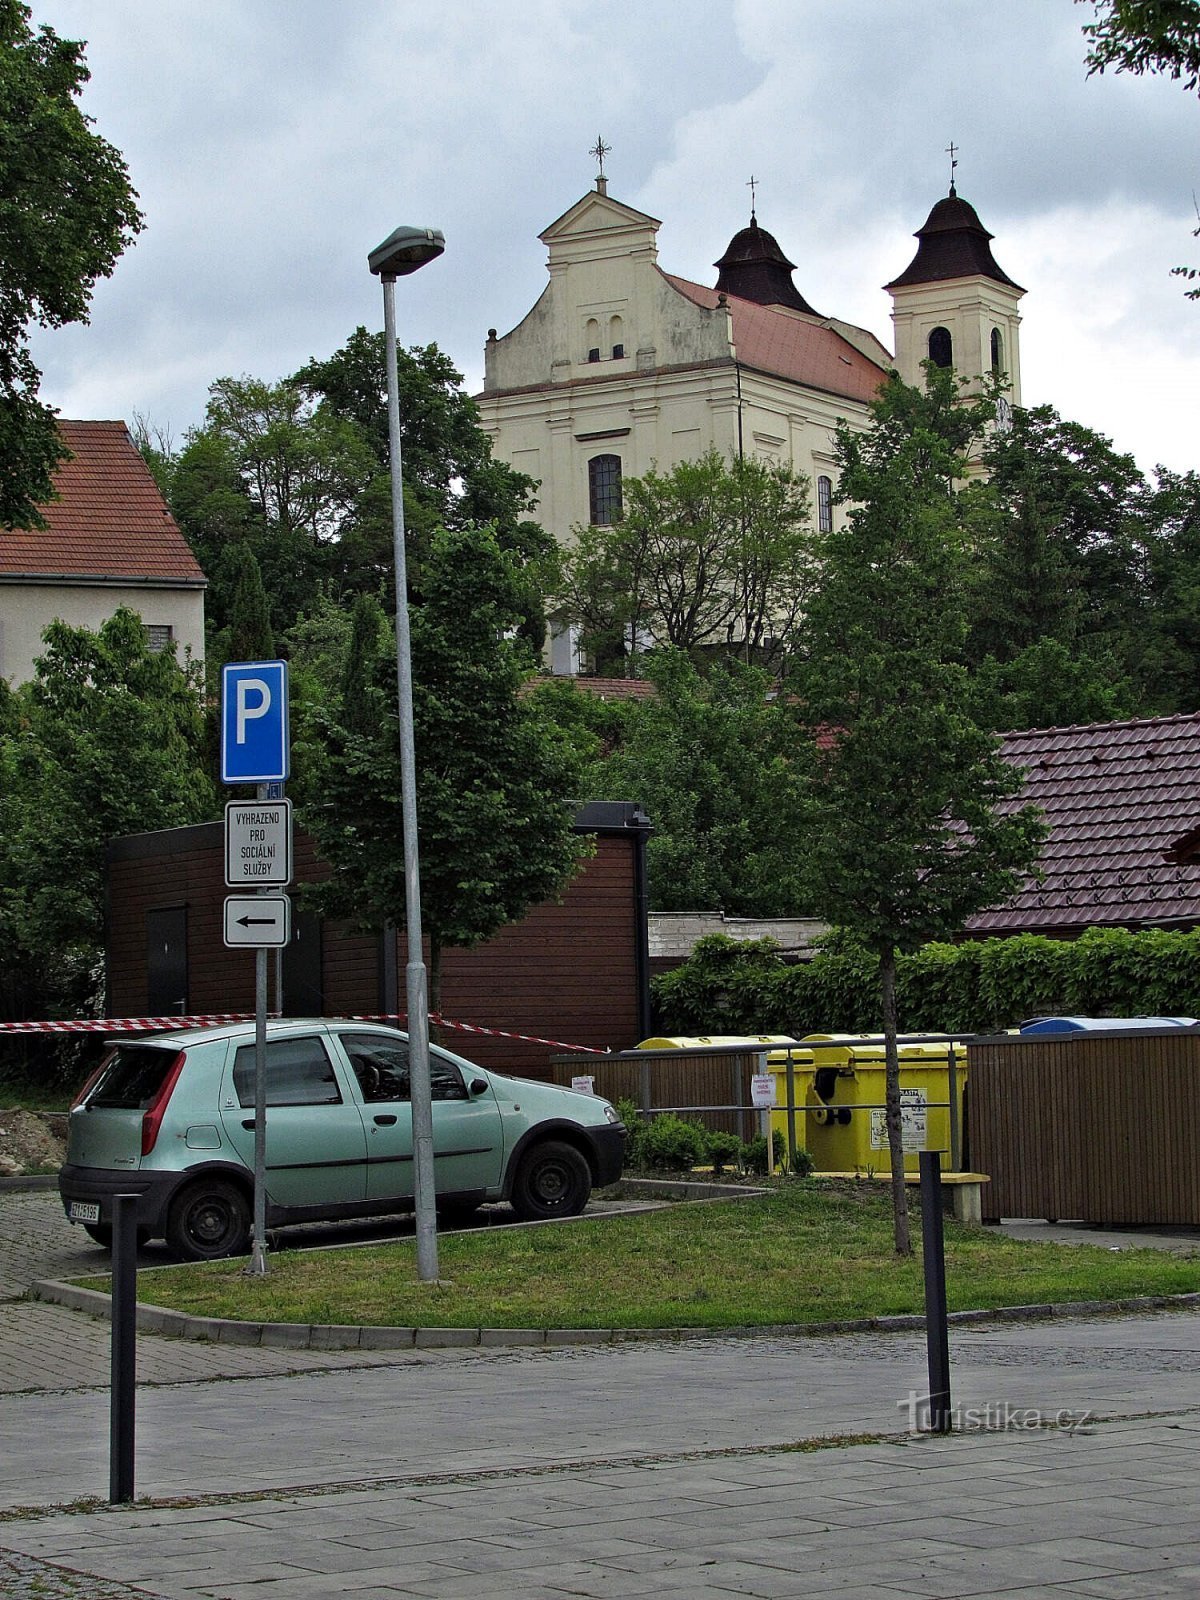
(170, 1118)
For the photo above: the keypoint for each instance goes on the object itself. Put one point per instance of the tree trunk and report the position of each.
(895, 1126)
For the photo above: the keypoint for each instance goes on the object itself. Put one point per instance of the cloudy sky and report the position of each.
(275, 142)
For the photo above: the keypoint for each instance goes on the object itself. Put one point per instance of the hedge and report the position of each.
(738, 987)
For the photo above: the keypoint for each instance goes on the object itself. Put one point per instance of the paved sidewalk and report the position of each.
(620, 1470)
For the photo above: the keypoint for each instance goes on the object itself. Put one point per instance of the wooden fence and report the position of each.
(1104, 1127)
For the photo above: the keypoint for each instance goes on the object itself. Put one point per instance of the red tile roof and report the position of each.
(616, 688)
(791, 345)
(1117, 797)
(110, 521)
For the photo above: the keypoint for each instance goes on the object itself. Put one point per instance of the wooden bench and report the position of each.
(965, 1189)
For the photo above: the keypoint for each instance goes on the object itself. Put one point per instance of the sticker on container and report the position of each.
(914, 1120)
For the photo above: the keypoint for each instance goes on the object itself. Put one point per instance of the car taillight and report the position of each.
(153, 1114)
(92, 1081)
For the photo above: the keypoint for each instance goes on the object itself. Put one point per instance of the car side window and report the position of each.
(445, 1080)
(299, 1073)
(380, 1065)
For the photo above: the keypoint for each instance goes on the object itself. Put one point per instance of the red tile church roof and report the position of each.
(791, 345)
(110, 521)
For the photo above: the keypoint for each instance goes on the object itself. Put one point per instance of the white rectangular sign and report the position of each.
(262, 921)
(258, 842)
(762, 1090)
(914, 1122)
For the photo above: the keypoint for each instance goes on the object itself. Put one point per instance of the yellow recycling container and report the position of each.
(845, 1094)
(703, 1043)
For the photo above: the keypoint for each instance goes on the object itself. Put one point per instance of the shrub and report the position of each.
(754, 1153)
(723, 1149)
(670, 1144)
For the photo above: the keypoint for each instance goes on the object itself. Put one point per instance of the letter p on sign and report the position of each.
(254, 722)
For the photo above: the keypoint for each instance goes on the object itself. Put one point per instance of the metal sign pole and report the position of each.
(258, 1249)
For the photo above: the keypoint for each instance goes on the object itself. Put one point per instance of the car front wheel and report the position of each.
(207, 1220)
(553, 1180)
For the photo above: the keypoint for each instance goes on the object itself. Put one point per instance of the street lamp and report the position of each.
(402, 252)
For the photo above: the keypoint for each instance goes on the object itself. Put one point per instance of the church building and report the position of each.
(620, 366)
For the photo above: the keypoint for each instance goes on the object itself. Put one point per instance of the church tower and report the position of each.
(953, 304)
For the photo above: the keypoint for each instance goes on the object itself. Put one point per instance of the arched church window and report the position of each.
(997, 352)
(825, 504)
(604, 490)
(592, 340)
(616, 337)
(941, 347)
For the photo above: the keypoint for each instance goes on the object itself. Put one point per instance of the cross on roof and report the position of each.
(600, 150)
(952, 152)
(752, 185)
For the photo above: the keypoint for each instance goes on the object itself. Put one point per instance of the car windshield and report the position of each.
(133, 1077)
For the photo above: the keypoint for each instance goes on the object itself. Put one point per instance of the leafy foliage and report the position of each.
(67, 212)
(983, 986)
(105, 740)
(495, 779)
(707, 553)
(711, 759)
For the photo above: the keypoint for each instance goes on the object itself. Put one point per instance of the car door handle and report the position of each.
(248, 1124)
(385, 1121)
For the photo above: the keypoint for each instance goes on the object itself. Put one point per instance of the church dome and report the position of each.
(952, 244)
(755, 268)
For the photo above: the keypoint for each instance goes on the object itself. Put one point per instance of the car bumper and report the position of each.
(99, 1186)
(609, 1145)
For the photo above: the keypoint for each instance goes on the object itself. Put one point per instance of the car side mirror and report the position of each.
(478, 1086)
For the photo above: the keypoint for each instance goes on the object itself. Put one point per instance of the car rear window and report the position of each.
(299, 1073)
(132, 1077)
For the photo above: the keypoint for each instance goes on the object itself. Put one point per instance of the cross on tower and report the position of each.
(752, 185)
(952, 152)
(600, 150)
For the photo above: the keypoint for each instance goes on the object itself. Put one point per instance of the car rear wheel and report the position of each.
(553, 1180)
(209, 1219)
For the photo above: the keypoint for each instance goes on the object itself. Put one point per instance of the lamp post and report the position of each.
(402, 252)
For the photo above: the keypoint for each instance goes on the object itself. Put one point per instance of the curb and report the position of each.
(43, 1181)
(326, 1336)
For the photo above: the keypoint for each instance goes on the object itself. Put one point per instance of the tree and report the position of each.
(912, 820)
(1145, 36)
(495, 779)
(105, 740)
(706, 554)
(67, 212)
(710, 759)
(451, 479)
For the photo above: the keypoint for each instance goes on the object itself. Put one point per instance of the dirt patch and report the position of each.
(31, 1141)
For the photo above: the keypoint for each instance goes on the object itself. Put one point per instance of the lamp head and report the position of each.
(405, 250)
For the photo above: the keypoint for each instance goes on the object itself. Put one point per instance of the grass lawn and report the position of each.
(804, 1253)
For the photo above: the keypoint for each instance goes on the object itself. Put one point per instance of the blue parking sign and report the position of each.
(255, 747)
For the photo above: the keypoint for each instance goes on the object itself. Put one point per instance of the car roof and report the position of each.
(277, 1027)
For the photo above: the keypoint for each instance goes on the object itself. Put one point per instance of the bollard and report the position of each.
(123, 1389)
(937, 1338)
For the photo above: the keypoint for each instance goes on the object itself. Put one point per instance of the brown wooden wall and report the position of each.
(685, 1081)
(1103, 1127)
(567, 972)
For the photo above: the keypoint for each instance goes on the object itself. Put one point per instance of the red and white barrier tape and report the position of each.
(126, 1024)
(216, 1018)
(492, 1033)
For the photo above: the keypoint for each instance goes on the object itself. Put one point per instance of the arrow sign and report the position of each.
(258, 921)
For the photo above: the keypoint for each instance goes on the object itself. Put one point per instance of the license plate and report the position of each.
(84, 1211)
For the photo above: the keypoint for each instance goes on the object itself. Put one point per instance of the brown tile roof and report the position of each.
(617, 688)
(790, 345)
(1117, 797)
(110, 521)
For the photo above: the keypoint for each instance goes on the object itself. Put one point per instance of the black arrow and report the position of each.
(257, 922)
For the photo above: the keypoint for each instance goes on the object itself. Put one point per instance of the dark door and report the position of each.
(166, 962)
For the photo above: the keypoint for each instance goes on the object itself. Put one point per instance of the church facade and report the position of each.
(621, 366)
